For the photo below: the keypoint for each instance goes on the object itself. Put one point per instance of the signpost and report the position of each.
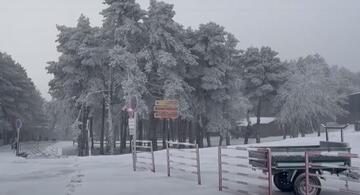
(166, 109)
(132, 132)
(132, 126)
(18, 125)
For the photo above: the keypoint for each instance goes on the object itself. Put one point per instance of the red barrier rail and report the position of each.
(264, 155)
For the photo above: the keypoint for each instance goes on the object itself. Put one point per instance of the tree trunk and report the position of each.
(228, 139)
(140, 129)
(284, 130)
(164, 134)
(110, 120)
(84, 135)
(153, 125)
(199, 133)
(208, 139)
(221, 138)
(92, 133)
(248, 128)
(102, 133)
(179, 128)
(171, 135)
(122, 129)
(258, 124)
(191, 133)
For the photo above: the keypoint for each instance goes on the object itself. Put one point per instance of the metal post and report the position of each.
(347, 177)
(269, 156)
(220, 168)
(133, 147)
(306, 173)
(88, 136)
(198, 163)
(152, 157)
(168, 158)
(18, 142)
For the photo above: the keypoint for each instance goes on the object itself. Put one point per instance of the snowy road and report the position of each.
(113, 175)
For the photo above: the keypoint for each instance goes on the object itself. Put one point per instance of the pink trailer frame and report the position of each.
(309, 165)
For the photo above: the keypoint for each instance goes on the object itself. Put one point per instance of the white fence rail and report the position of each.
(234, 169)
(181, 156)
(143, 155)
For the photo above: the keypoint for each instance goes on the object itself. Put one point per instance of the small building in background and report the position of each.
(268, 127)
(354, 109)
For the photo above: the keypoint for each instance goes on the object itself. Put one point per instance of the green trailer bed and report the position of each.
(288, 163)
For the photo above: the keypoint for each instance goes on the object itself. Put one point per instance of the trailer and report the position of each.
(288, 165)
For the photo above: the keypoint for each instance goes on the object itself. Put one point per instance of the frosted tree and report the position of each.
(70, 75)
(19, 99)
(165, 60)
(263, 74)
(310, 96)
(76, 73)
(347, 82)
(215, 79)
(167, 57)
(122, 35)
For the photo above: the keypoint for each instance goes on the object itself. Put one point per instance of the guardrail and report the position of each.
(234, 158)
(348, 173)
(143, 149)
(183, 153)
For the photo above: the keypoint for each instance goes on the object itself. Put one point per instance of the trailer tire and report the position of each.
(300, 185)
(282, 182)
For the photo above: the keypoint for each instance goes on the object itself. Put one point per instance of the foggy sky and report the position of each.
(294, 28)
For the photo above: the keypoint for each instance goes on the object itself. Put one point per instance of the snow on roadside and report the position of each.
(114, 175)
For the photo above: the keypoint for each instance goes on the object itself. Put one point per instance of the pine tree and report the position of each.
(19, 99)
(122, 35)
(263, 74)
(215, 90)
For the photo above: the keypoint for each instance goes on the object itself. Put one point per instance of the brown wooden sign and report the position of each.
(166, 109)
(166, 115)
(166, 103)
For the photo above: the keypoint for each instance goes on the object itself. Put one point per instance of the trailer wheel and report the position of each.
(300, 185)
(282, 182)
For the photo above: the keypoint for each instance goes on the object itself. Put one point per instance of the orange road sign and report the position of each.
(166, 109)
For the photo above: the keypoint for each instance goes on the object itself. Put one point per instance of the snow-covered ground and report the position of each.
(113, 175)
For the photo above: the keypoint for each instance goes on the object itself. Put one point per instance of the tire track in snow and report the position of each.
(75, 181)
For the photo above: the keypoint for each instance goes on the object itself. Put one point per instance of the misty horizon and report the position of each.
(294, 29)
